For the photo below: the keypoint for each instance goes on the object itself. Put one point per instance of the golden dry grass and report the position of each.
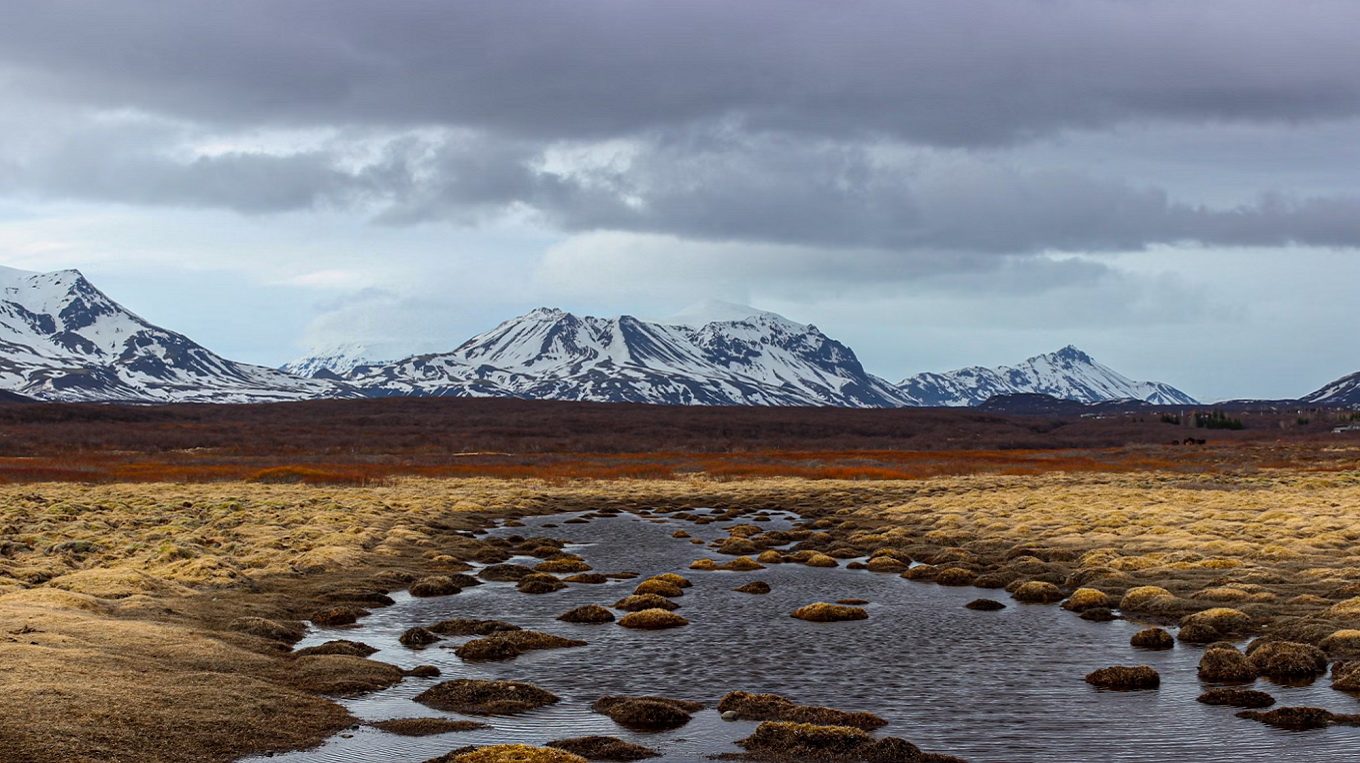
(109, 583)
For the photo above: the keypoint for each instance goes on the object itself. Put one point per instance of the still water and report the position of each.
(990, 687)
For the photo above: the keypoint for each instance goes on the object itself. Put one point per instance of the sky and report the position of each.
(1171, 186)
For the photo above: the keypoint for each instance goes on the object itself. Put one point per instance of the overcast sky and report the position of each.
(1172, 186)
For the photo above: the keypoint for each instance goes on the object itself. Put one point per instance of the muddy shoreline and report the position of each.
(132, 648)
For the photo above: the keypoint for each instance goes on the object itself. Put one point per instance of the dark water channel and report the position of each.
(991, 687)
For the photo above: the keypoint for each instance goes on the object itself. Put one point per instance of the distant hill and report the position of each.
(1343, 391)
(1068, 374)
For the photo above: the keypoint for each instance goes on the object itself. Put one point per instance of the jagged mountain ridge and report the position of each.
(762, 359)
(1068, 374)
(63, 339)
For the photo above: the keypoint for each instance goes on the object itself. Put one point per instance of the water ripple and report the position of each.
(991, 687)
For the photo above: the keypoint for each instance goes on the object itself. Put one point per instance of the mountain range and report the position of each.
(63, 339)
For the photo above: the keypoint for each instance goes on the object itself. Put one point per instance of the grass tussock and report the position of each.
(514, 753)
(1125, 678)
(475, 697)
(773, 707)
(604, 748)
(822, 612)
(419, 727)
(652, 620)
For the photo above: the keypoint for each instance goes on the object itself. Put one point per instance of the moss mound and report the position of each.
(528, 640)
(647, 713)
(1224, 664)
(539, 582)
(562, 565)
(434, 585)
(985, 605)
(737, 547)
(637, 603)
(513, 753)
(773, 707)
(1144, 598)
(604, 748)
(886, 564)
(339, 646)
(474, 697)
(590, 613)
(489, 649)
(1125, 678)
(341, 674)
(1343, 643)
(466, 627)
(1299, 718)
(505, 573)
(805, 740)
(1223, 621)
(705, 564)
(1346, 610)
(1249, 698)
(335, 616)
(1098, 615)
(1083, 599)
(671, 577)
(821, 560)
(742, 564)
(1346, 676)
(755, 586)
(821, 612)
(652, 620)
(274, 630)
(1287, 659)
(956, 576)
(770, 557)
(1037, 592)
(420, 727)
(658, 587)
(589, 578)
(418, 637)
(1152, 638)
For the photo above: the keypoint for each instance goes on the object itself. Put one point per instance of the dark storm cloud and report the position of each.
(947, 72)
(715, 186)
(837, 196)
(882, 125)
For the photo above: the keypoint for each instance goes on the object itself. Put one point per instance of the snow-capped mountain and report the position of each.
(758, 359)
(1068, 374)
(1343, 391)
(332, 361)
(63, 339)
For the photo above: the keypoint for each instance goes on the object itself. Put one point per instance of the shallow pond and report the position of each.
(990, 687)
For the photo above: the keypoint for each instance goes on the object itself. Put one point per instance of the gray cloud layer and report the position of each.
(940, 72)
(889, 125)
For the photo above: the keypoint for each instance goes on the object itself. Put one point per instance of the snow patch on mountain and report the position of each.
(1343, 391)
(333, 360)
(1068, 374)
(713, 311)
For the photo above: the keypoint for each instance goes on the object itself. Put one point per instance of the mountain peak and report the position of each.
(1067, 374)
(1069, 354)
(709, 311)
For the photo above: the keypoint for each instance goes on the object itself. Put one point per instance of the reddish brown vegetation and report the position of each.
(361, 442)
